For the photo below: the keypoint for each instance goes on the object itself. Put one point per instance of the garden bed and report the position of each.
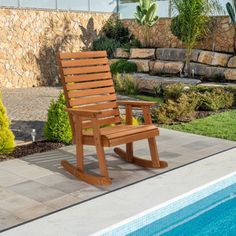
(32, 148)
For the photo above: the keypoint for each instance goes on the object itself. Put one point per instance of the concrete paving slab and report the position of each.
(131, 200)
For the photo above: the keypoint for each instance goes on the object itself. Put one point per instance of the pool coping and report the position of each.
(80, 217)
(164, 209)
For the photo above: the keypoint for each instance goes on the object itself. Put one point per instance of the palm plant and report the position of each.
(232, 12)
(146, 15)
(191, 22)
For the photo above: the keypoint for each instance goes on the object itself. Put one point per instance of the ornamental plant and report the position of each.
(57, 127)
(192, 22)
(231, 9)
(7, 143)
(146, 16)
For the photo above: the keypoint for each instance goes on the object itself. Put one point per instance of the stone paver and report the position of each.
(36, 185)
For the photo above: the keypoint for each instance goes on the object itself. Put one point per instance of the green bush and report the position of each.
(133, 43)
(57, 127)
(106, 44)
(215, 100)
(125, 84)
(173, 91)
(123, 66)
(7, 143)
(181, 110)
(117, 31)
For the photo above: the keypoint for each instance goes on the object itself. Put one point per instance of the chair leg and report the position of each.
(129, 152)
(99, 149)
(78, 170)
(156, 162)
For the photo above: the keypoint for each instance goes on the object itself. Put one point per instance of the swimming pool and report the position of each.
(208, 210)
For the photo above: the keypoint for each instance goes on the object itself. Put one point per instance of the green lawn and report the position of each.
(222, 125)
(148, 98)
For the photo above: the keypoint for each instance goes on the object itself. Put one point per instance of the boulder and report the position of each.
(213, 58)
(111, 61)
(232, 62)
(142, 53)
(166, 67)
(142, 64)
(121, 53)
(230, 74)
(206, 71)
(175, 54)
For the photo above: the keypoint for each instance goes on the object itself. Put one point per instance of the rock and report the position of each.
(148, 82)
(206, 71)
(121, 53)
(142, 64)
(111, 61)
(230, 74)
(175, 54)
(213, 58)
(142, 53)
(166, 67)
(232, 62)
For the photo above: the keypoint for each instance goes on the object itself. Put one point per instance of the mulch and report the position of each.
(32, 148)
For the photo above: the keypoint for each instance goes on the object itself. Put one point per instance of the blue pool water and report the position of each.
(213, 215)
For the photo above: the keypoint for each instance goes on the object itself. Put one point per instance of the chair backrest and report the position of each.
(87, 83)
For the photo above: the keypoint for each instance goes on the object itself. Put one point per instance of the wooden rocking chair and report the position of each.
(92, 103)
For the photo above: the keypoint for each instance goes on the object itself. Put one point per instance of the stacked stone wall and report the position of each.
(30, 40)
(220, 38)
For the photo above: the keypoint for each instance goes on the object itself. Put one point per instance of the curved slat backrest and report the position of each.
(87, 83)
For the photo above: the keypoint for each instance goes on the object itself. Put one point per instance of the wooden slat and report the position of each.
(83, 93)
(134, 130)
(89, 85)
(89, 77)
(84, 62)
(106, 121)
(103, 106)
(85, 70)
(92, 54)
(108, 113)
(133, 137)
(92, 100)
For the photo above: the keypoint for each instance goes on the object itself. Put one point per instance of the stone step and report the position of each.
(149, 82)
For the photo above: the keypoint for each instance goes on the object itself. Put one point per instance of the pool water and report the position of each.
(213, 215)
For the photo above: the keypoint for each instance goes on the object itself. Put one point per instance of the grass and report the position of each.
(222, 125)
(148, 98)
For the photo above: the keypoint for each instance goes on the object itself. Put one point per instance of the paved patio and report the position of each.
(37, 185)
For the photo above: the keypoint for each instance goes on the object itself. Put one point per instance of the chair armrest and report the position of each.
(136, 103)
(83, 112)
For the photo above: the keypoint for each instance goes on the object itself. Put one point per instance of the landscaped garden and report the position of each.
(195, 108)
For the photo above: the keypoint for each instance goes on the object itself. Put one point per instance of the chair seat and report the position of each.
(121, 134)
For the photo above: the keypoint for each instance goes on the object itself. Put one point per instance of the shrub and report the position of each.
(134, 43)
(135, 121)
(123, 66)
(183, 109)
(215, 100)
(106, 44)
(117, 31)
(57, 127)
(173, 91)
(7, 143)
(125, 84)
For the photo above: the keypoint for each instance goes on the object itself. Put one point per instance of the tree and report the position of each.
(6, 136)
(232, 12)
(191, 22)
(146, 15)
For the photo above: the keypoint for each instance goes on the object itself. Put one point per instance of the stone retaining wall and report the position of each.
(171, 61)
(30, 39)
(220, 37)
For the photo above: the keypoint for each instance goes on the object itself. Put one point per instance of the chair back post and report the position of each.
(62, 78)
